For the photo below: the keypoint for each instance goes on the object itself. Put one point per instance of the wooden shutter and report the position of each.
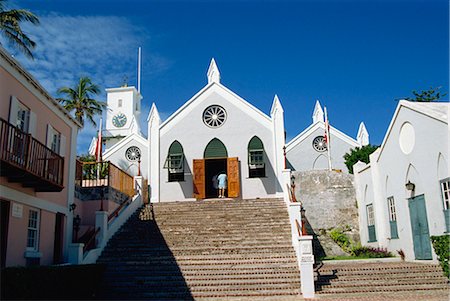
(233, 177)
(32, 124)
(62, 146)
(199, 178)
(13, 109)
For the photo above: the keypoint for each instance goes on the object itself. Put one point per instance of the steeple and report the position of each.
(213, 72)
(363, 135)
(318, 112)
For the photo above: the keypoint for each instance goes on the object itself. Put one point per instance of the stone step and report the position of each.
(382, 288)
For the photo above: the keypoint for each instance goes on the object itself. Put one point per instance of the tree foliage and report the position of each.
(10, 27)
(80, 99)
(358, 154)
(426, 95)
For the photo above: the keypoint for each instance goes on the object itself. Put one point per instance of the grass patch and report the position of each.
(71, 282)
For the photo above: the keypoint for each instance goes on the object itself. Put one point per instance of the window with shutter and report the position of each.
(175, 162)
(256, 164)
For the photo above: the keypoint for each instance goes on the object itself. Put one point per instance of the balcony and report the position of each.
(27, 161)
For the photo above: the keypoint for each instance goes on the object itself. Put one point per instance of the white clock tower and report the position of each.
(123, 114)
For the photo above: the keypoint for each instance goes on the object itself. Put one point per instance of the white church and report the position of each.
(215, 131)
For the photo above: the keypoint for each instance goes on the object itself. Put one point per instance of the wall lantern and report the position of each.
(410, 186)
(72, 207)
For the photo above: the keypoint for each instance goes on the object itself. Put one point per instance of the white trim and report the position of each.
(319, 125)
(31, 201)
(35, 248)
(217, 87)
(123, 142)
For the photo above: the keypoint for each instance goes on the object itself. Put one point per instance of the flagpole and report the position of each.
(327, 132)
(99, 149)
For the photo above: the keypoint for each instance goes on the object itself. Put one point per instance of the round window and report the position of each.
(319, 144)
(214, 116)
(133, 153)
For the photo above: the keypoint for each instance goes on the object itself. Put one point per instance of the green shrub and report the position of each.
(441, 245)
(339, 237)
(51, 282)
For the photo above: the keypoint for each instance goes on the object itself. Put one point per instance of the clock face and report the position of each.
(119, 120)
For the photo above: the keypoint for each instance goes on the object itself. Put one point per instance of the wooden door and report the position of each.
(199, 178)
(419, 227)
(233, 177)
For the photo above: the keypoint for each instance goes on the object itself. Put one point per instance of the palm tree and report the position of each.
(10, 21)
(79, 99)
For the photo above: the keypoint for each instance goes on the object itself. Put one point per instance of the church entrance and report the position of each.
(215, 160)
(206, 169)
(213, 167)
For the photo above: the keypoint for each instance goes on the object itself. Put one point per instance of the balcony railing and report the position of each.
(29, 162)
(97, 174)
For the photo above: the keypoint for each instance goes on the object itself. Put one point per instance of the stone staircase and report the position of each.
(206, 249)
(371, 278)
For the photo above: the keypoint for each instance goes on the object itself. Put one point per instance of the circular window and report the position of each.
(407, 138)
(133, 153)
(214, 116)
(319, 144)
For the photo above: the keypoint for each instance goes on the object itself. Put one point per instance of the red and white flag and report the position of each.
(98, 146)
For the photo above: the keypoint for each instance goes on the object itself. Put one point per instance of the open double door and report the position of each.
(206, 169)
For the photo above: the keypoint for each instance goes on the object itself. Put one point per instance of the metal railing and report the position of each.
(97, 174)
(21, 150)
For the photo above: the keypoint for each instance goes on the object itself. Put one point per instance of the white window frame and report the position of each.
(391, 208)
(370, 215)
(33, 229)
(23, 117)
(56, 141)
(445, 192)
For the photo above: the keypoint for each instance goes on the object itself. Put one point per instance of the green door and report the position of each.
(419, 226)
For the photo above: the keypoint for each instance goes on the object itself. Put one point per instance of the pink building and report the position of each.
(37, 158)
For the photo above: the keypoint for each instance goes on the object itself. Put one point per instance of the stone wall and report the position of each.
(329, 200)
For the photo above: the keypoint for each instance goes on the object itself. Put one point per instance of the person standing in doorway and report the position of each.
(222, 181)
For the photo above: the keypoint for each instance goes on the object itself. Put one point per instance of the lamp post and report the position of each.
(76, 226)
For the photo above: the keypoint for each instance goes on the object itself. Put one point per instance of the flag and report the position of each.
(98, 146)
(327, 130)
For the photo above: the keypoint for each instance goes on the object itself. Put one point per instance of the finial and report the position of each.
(213, 72)
(318, 112)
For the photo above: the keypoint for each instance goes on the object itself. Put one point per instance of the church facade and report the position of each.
(216, 131)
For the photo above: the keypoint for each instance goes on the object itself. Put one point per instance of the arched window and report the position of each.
(215, 149)
(256, 164)
(175, 162)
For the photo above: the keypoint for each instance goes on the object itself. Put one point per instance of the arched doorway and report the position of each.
(215, 160)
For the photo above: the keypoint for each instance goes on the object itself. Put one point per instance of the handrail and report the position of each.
(90, 240)
(298, 228)
(20, 149)
(115, 213)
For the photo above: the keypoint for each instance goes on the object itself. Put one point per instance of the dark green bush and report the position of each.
(441, 245)
(51, 282)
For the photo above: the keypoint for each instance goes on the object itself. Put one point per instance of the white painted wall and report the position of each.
(117, 157)
(243, 122)
(302, 156)
(424, 164)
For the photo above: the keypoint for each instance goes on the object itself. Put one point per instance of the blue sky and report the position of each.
(356, 57)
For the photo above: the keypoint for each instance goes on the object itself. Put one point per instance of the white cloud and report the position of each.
(103, 48)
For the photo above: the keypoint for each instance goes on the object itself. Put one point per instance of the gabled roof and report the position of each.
(124, 142)
(436, 110)
(243, 104)
(30, 79)
(320, 125)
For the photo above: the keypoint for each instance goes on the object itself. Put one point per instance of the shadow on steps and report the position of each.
(141, 266)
